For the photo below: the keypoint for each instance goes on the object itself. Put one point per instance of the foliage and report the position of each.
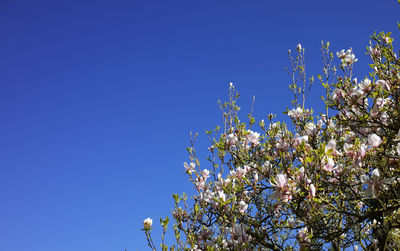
(332, 182)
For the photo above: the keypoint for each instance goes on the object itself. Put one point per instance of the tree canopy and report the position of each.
(322, 181)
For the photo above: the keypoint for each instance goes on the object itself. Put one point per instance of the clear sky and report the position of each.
(97, 99)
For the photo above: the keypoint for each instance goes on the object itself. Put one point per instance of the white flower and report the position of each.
(384, 84)
(222, 195)
(205, 173)
(206, 196)
(147, 223)
(231, 140)
(295, 113)
(310, 128)
(189, 168)
(375, 184)
(374, 140)
(302, 237)
(253, 137)
(299, 47)
(347, 57)
(298, 140)
(312, 191)
(337, 94)
(266, 167)
(242, 207)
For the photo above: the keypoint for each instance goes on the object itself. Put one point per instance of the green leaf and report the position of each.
(309, 159)
(176, 197)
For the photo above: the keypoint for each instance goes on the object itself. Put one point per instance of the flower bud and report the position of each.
(147, 223)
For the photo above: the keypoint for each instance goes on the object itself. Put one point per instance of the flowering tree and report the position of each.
(332, 181)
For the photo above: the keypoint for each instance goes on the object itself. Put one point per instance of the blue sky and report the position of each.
(97, 99)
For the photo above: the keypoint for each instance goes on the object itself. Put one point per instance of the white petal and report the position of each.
(376, 174)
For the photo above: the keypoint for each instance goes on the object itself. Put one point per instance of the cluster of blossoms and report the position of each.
(347, 57)
(331, 182)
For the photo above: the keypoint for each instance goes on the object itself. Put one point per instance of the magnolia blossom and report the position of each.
(206, 196)
(238, 234)
(240, 172)
(147, 223)
(328, 164)
(266, 167)
(231, 140)
(384, 84)
(347, 57)
(253, 137)
(312, 191)
(222, 195)
(337, 94)
(331, 146)
(242, 207)
(200, 182)
(375, 184)
(374, 140)
(282, 145)
(298, 140)
(348, 149)
(189, 168)
(301, 174)
(296, 113)
(379, 103)
(205, 173)
(365, 86)
(310, 128)
(282, 188)
(398, 149)
(302, 237)
(205, 233)
(374, 51)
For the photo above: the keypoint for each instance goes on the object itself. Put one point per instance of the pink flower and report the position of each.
(328, 164)
(337, 94)
(282, 188)
(331, 146)
(374, 140)
(240, 172)
(200, 182)
(299, 140)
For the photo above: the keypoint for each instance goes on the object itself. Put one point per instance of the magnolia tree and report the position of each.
(327, 181)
